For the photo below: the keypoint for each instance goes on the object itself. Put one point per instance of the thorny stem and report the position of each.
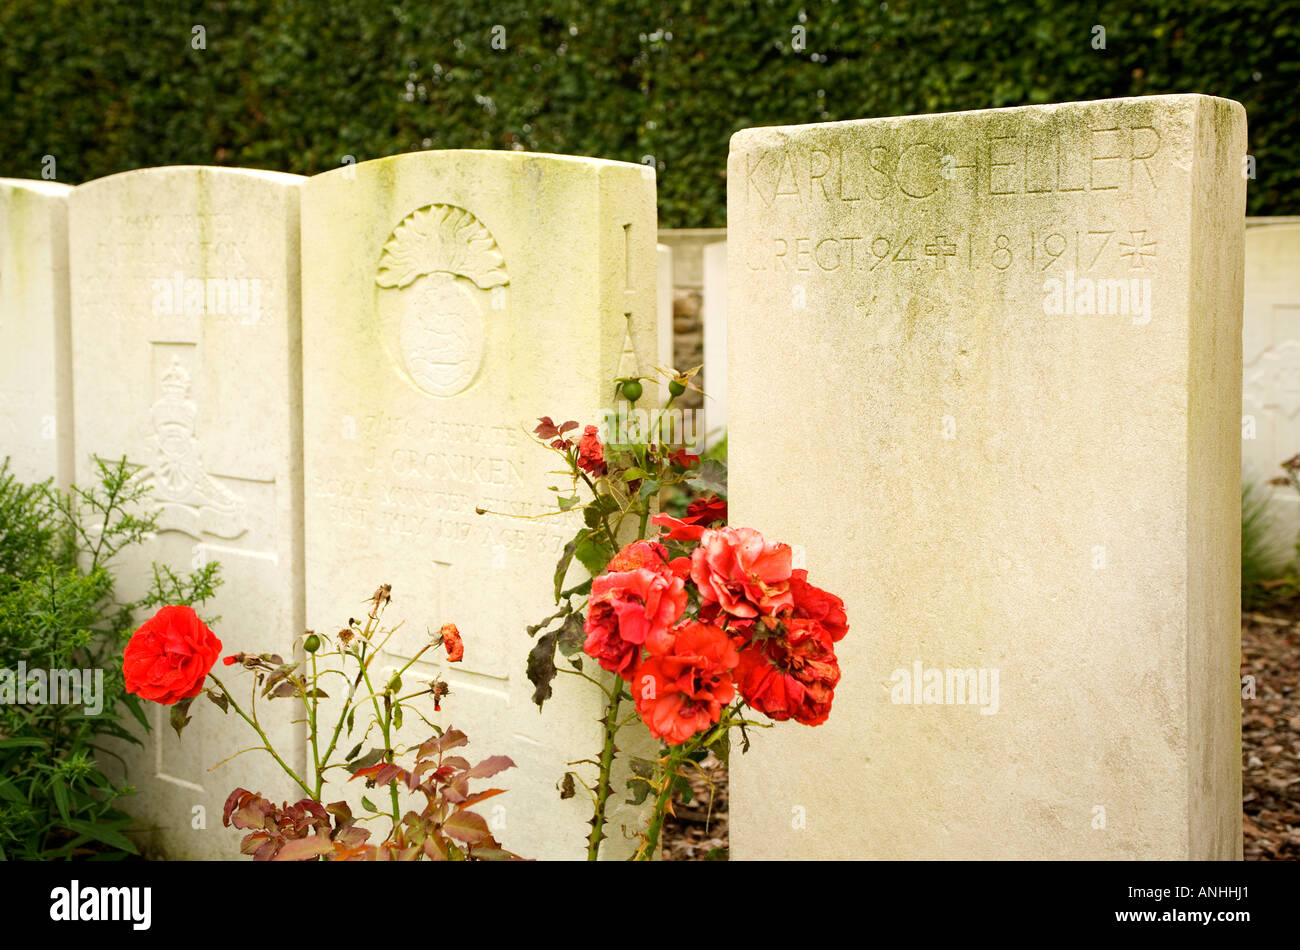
(602, 781)
(647, 850)
(266, 743)
(613, 545)
(383, 718)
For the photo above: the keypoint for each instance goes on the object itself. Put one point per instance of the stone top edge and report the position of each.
(500, 156)
(261, 174)
(38, 185)
(740, 139)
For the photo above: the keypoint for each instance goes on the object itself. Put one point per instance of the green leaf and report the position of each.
(178, 718)
(132, 703)
(562, 567)
(60, 791)
(22, 743)
(370, 758)
(594, 553)
(567, 503)
(711, 477)
(572, 634)
(368, 804)
(102, 834)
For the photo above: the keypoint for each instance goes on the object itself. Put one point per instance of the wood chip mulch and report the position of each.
(1270, 735)
(1270, 755)
(698, 830)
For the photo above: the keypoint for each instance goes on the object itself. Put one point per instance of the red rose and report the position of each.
(814, 603)
(651, 555)
(737, 568)
(683, 691)
(706, 509)
(451, 640)
(791, 675)
(678, 529)
(169, 657)
(648, 554)
(591, 454)
(629, 610)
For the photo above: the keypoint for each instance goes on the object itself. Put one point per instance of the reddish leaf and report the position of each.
(490, 766)
(481, 796)
(233, 801)
(451, 739)
(434, 848)
(303, 849)
(467, 826)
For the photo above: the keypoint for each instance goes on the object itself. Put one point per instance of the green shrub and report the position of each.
(58, 611)
(296, 85)
(1263, 564)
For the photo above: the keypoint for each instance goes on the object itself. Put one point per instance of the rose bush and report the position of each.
(701, 622)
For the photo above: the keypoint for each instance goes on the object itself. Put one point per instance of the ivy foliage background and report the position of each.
(296, 85)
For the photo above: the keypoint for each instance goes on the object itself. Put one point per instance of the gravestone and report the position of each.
(985, 370)
(1271, 354)
(35, 353)
(664, 304)
(714, 311)
(186, 343)
(450, 299)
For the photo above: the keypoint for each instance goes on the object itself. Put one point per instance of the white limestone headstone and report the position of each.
(664, 304)
(713, 312)
(35, 352)
(450, 298)
(186, 358)
(985, 370)
(1271, 377)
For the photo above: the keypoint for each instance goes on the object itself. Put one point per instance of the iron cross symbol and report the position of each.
(940, 249)
(1137, 250)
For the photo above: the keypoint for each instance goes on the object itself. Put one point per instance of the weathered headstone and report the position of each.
(1271, 354)
(35, 352)
(985, 369)
(450, 298)
(714, 312)
(186, 361)
(664, 303)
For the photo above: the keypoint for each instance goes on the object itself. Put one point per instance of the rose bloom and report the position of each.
(169, 656)
(451, 640)
(813, 603)
(738, 569)
(706, 509)
(591, 454)
(649, 554)
(791, 675)
(678, 529)
(682, 692)
(629, 610)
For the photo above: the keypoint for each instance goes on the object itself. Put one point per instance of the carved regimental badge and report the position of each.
(440, 273)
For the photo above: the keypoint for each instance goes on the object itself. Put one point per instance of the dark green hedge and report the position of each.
(297, 84)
